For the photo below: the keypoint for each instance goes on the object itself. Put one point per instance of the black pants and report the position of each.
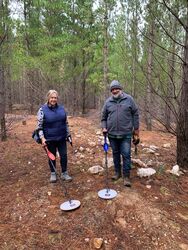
(61, 146)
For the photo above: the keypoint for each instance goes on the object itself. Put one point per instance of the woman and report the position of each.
(54, 131)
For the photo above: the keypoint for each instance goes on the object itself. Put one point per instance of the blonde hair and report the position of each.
(50, 93)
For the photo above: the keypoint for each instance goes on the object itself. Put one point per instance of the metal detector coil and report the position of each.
(106, 193)
(70, 204)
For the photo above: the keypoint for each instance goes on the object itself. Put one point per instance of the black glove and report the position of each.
(69, 139)
(135, 140)
(105, 133)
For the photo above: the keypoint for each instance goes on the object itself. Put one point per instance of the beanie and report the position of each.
(115, 85)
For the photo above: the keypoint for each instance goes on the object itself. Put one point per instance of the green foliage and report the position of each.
(64, 40)
(161, 170)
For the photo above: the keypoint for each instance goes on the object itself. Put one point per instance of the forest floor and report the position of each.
(152, 214)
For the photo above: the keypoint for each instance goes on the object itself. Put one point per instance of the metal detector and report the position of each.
(106, 193)
(70, 204)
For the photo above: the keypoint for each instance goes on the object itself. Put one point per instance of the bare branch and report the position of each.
(161, 46)
(3, 38)
(169, 103)
(175, 15)
(168, 34)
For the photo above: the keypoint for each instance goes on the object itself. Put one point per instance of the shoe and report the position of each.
(65, 176)
(116, 177)
(53, 177)
(127, 182)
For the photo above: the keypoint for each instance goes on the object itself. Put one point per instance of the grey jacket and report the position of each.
(120, 116)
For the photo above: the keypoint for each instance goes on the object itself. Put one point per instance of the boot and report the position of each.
(116, 176)
(127, 182)
(53, 177)
(66, 177)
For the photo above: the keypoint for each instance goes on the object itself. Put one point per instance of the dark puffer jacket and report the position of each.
(120, 116)
(52, 123)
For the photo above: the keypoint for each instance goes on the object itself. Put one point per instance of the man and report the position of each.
(120, 119)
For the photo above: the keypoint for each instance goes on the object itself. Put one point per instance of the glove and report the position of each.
(135, 140)
(69, 139)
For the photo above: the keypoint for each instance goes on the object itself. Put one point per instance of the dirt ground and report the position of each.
(153, 214)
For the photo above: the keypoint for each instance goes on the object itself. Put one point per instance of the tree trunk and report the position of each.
(105, 52)
(2, 105)
(135, 47)
(8, 84)
(170, 83)
(74, 83)
(31, 80)
(182, 128)
(3, 37)
(148, 99)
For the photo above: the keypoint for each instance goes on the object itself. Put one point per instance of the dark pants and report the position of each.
(62, 149)
(121, 147)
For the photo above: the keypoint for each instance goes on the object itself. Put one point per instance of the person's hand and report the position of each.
(104, 131)
(136, 132)
(136, 139)
(43, 140)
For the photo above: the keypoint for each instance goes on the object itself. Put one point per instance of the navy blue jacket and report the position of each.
(54, 123)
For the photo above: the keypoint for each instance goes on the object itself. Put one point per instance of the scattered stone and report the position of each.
(91, 144)
(79, 155)
(153, 147)
(121, 222)
(110, 162)
(148, 186)
(175, 170)
(149, 150)
(88, 150)
(150, 163)
(97, 242)
(183, 246)
(184, 217)
(166, 145)
(139, 163)
(101, 138)
(81, 149)
(145, 172)
(95, 169)
(98, 132)
(157, 154)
